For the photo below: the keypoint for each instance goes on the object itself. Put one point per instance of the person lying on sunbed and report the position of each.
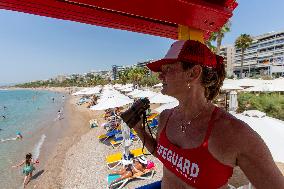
(139, 165)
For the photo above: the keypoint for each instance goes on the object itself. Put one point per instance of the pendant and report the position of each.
(183, 126)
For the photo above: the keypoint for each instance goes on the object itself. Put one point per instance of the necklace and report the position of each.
(184, 125)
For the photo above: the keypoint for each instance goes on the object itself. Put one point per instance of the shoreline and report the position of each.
(69, 131)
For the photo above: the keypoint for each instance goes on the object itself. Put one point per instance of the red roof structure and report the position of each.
(154, 17)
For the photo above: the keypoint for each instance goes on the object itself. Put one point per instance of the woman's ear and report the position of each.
(194, 73)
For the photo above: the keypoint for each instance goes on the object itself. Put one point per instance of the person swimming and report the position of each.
(19, 136)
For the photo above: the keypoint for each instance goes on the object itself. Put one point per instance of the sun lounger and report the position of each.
(152, 116)
(115, 159)
(109, 134)
(145, 175)
(117, 141)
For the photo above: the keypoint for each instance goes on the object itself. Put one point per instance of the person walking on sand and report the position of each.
(28, 168)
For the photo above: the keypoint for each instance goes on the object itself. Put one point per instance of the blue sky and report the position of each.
(34, 47)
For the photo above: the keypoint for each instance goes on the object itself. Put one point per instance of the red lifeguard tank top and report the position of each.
(197, 167)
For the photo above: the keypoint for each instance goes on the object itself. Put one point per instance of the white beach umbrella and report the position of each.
(158, 85)
(81, 92)
(108, 86)
(94, 90)
(159, 98)
(271, 131)
(127, 89)
(248, 82)
(266, 87)
(117, 85)
(134, 92)
(111, 102)
(167, 106)
(230, 87)
(144, 94)
(113, 95)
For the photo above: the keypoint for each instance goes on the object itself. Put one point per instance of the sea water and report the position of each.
(30, 112)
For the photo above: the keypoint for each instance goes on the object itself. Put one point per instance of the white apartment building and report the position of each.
(116, 69)
(264, 57)
(228, 53)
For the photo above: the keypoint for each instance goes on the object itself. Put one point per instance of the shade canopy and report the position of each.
(111, 102)
(267, 87)
(230, 87)
(167, 106)
(143, 94)
(159, 98)
(134, 92)
(158, 85)
(271, 131)
(159, 17)
(88, 91)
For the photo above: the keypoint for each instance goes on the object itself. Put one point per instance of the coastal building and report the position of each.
(228, 53)
(60, 78)
(264, 57)
(105, 74)
(116, 69)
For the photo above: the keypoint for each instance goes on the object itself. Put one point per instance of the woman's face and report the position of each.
(174, 79)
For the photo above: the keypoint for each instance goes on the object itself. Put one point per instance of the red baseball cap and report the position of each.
(189, 51)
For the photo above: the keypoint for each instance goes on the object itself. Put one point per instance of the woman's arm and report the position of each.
(20, 164)
(256, 161)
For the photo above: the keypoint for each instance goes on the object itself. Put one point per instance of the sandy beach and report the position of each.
(75, 124)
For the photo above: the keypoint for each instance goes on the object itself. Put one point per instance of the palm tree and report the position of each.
(243, 42)
(218, 37)
(136, 75)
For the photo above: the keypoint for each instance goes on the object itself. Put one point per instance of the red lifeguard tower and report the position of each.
(175, 19)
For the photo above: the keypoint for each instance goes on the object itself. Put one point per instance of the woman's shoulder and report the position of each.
(234, 128)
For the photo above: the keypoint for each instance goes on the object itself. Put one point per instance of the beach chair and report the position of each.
(114, 160)
(108, 135)
(117, 141)
(151, 117)
(145, 175)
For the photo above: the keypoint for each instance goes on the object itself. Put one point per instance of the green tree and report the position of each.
(218, 37)
(243, 42)
(136, 75)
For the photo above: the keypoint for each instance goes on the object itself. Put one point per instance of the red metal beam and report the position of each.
(157, 17)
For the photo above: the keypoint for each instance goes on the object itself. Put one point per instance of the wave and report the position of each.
(36, 151)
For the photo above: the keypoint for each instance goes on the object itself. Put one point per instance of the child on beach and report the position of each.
(59, 114)
(28, 168)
